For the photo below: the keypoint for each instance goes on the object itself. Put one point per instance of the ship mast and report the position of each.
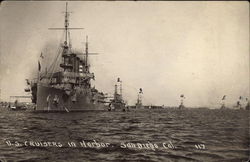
(66, 24)
(86, 54)
(66, 28)
(121, 89)
(67, 44)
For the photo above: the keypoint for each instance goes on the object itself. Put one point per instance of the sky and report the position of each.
(199, 49)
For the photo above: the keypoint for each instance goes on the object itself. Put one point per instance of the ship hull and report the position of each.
(50, 99)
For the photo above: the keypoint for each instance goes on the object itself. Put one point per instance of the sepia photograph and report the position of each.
(129, 81)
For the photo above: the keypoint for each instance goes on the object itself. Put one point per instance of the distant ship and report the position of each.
(138, 104)
(117, 103)
(69, 88)
(223, 102)
(181, 106)
(239, 103)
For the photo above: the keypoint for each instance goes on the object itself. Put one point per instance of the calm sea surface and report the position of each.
(150, 135)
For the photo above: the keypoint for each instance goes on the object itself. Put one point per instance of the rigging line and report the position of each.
(55, 64)
(58, 52)
(55, 61)
(53, 68)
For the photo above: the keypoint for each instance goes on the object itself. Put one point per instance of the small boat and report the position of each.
(18, 103)
(17, 106)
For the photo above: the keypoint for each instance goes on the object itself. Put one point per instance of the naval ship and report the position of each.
(69, 88)
(138, 104)
(181, 106)
(117, 102)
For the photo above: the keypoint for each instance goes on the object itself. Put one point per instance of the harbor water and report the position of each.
(146, 135)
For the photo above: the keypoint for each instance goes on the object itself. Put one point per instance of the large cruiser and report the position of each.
(68, 88)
